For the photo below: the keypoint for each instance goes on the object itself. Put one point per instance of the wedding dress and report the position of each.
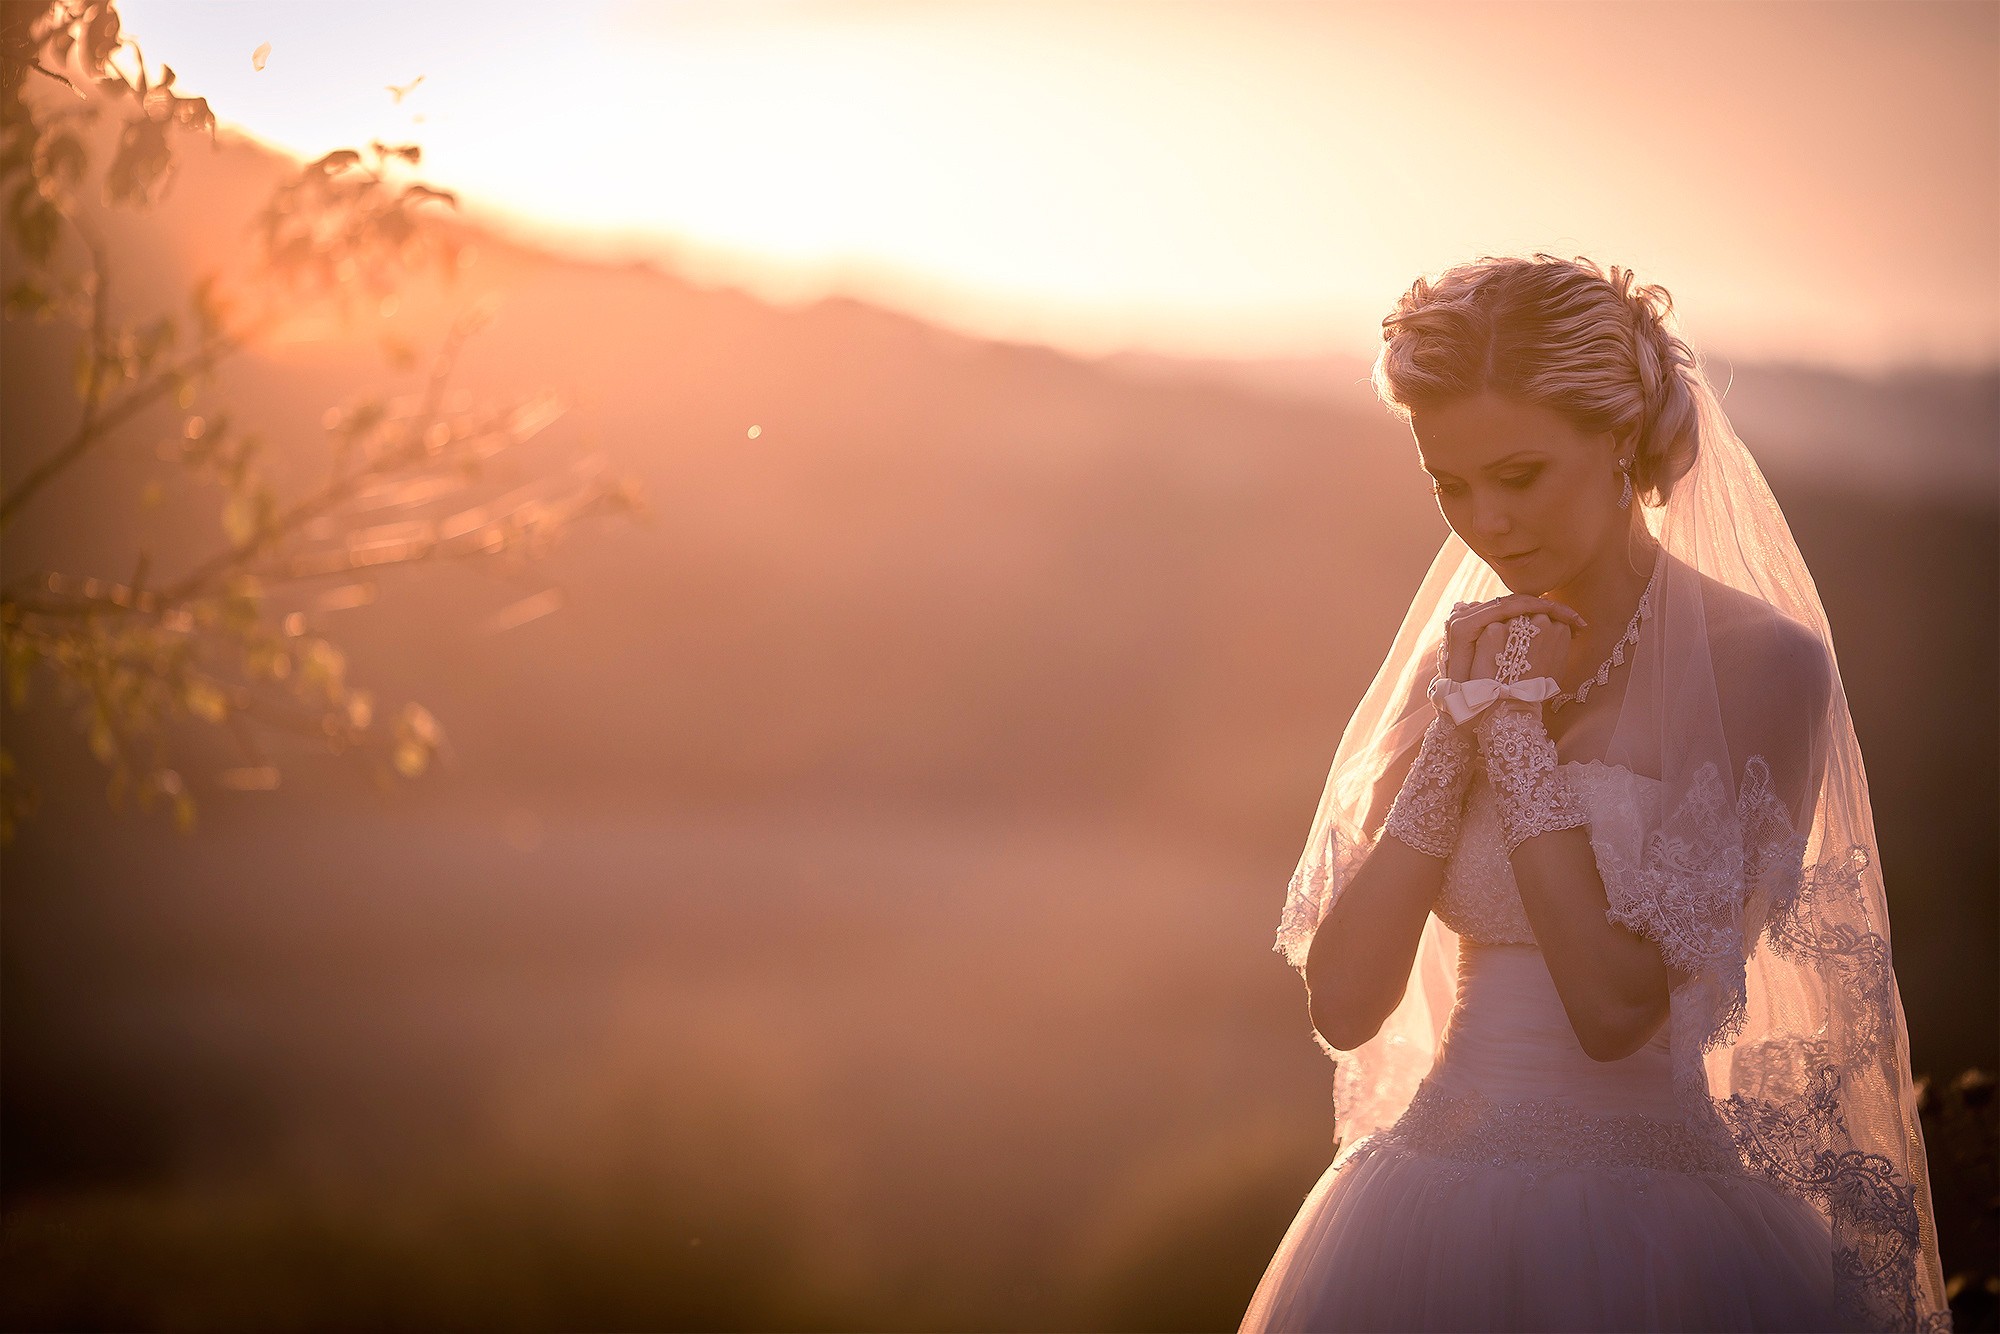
(1530, 1187)
(1759, 1164)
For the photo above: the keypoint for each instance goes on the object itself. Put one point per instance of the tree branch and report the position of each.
(94, 429)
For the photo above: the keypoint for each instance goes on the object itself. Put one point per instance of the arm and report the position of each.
(1776, 696)
(1362, 950)
(1358, 964)
(1612, 981)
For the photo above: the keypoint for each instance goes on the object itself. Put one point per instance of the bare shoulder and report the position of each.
(1760, 650)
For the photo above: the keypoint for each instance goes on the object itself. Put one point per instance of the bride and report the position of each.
(1589, 916)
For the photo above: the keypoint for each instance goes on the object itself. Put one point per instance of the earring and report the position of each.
(1625, 500)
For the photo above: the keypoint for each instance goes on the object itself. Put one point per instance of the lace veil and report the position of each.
(1757, 874)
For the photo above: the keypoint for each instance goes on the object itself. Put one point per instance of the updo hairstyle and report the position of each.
(1557, 333)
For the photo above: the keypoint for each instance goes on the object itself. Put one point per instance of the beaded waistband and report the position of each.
(1536, 1135)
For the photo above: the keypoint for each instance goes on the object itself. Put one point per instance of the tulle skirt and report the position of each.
(1528, 1187)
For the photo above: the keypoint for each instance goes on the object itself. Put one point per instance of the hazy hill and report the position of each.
(952, 570)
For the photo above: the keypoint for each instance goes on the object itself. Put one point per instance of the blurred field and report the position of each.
(852, 909)
(664, 1069)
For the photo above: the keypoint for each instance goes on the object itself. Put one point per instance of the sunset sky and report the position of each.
(1817, 182)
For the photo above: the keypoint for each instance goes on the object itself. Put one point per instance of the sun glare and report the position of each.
(1256, 179)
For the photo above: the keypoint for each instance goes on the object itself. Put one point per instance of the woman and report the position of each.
(1617, 1040)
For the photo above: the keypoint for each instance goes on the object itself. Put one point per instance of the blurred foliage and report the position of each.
(1961, 1122)
(232, 642)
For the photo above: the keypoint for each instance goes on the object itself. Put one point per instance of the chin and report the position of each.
(1531, 576)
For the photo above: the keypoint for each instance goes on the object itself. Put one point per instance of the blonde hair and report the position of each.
(1557, 333)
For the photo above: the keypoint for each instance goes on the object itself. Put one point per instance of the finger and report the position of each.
(1518, 604)
(1526, 604)
(1486, 651)
(1464, 635)
(1459, 656)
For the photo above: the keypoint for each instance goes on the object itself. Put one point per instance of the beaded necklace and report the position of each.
(1626, 640)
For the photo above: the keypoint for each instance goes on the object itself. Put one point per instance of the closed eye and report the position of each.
(1518, 482)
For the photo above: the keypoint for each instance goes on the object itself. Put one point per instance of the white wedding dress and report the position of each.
(1529, 1187)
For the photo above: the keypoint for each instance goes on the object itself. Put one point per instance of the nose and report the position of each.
(1489, 517)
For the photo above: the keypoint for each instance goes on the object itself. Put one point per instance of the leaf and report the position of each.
(239, 518)
(412, 758)
(340, 159)
(139, 172)
(208, 306)
(63, 159)
(324, 666)
(417, 194)
(205, 701)
(100, 38)
(417, 738)
(21, 658)
(422, 724)
(399, 353)
(193, 113)
(24, 298)
(35, 222)
(259, 56)
(239, 610)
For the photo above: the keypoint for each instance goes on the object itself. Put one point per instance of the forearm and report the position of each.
(1360, 957)
(1359, 961)
(1612, 982)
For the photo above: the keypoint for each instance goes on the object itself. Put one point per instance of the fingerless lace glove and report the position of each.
(1534, 792)
(1426, 811)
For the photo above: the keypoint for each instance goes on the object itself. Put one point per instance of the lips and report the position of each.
(1522, 556)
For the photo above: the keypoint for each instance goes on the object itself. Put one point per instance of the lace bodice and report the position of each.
(1480, 899)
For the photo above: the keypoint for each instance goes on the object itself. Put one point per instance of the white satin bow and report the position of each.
(1464, 700)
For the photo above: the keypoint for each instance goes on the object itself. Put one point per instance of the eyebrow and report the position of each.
(1497, 463)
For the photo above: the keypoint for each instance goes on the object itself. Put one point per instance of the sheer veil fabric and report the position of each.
(1760, 877)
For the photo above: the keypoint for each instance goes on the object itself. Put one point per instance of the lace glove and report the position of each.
(1534, 793)
(1426, 811)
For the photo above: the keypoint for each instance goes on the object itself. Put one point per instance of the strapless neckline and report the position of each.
(1479, 898)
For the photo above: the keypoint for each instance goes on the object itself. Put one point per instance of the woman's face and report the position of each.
(1534, 497)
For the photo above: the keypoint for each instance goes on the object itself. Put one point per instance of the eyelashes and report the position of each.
(1517, 482)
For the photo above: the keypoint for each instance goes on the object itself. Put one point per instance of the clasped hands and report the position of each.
(1480, 662)
(1478, 672)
